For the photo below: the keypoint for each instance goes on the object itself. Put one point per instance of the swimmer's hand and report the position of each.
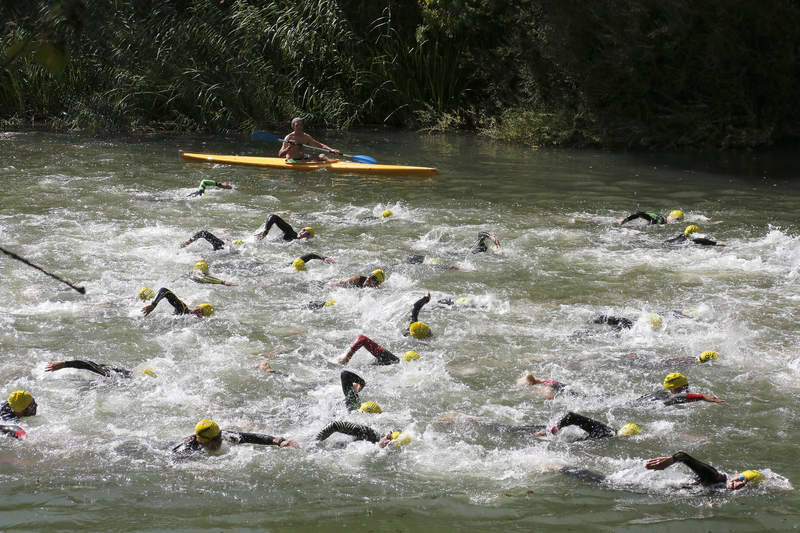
(229, 283)
(260, 235)
(329, 260)
(225, 185)
(187, 243)
(357, 387)
(291, 443)
(720, 244)
(711, 398)
(659, 463)
(147, 309)
(52, 366)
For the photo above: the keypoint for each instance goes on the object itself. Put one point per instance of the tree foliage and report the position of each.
(635, 73)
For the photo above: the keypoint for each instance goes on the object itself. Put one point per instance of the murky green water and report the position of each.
(110, 215)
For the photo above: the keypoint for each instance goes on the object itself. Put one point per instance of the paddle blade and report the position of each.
(264, 136)
(364, 159)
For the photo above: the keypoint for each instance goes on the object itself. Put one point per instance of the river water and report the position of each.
(110, 215)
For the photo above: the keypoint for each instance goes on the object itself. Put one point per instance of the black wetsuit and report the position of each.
(180, 307)
(651, 218)
(190, 445)
(289, 234)
(215, 241)
(12, 431)
(351, 398)
(480, 246)
(618, 323)
(707, 475)
(595, 429)
(203, 184)
(419, 304)
(7, 414)
(682, 239)
(313, 255)
(103, 370)
(359, 431)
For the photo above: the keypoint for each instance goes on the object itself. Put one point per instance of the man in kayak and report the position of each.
(209, 183)
(375, 278)
(202, 310)
(707, 475)
(289, 234)
(676, 391)
(208, 436)
(653, 218)
(687, 238)
(292, 147)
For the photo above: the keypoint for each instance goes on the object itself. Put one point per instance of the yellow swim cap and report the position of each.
(146, 294)
(676, 214)
(752, 476)
(656, 321)
(206, 430)
(149, 372)
(370, 407)
(400, 439)
(207, 309)
(19, 400)
(707, 356)
(411, 355)
(629, 430)
(202, 266)
(238, 241)
(691, 229)
(330, 303)
(299, 264)
(675, 380)
(310, 231)
(380, 275)
(419, 330)
(386, 213)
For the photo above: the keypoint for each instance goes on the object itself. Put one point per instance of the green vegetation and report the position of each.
(631, 74)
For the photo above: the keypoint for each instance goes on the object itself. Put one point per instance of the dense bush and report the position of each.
(636, 73)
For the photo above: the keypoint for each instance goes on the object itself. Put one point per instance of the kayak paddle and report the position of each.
(267, 136)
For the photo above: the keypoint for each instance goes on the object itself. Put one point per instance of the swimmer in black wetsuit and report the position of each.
(653, 218)
(200, 275)
(202, 310)
(676, 391)
(208, 436)
(362, 432)
(289, 234)
(19, 404)
(300, 262)
(215, 241)
(707, 475)
(209, 183)
(593, 428)
(480, 246)
(377, 277)
(352, 384)
(103, 370)
(687, 238)
(417, 329)
(672, 362)
(382, 355)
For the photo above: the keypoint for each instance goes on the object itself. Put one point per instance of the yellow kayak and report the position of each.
(334, 165)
